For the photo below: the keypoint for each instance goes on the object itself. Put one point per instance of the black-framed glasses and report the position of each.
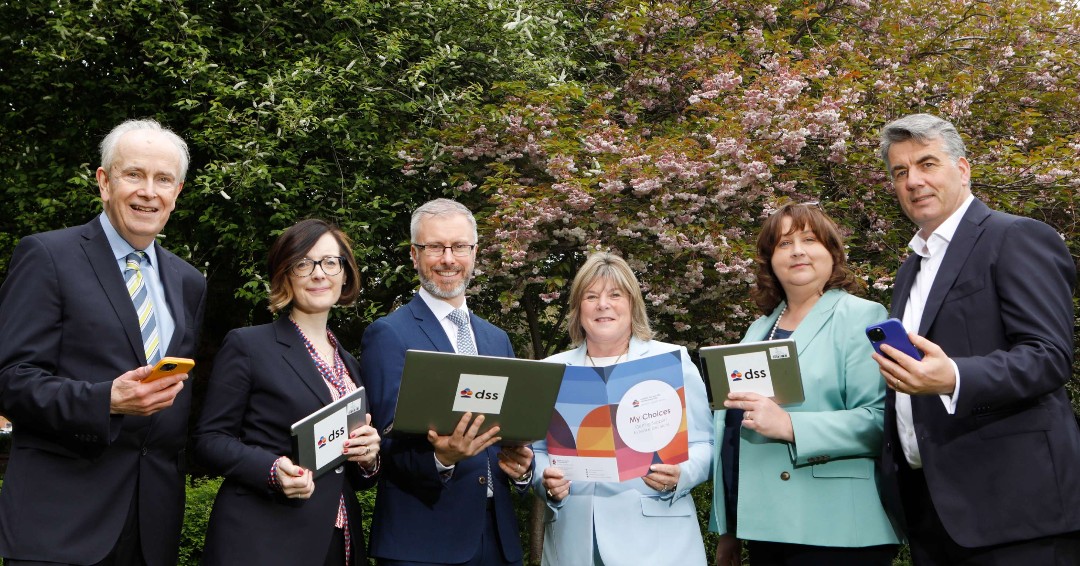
(331, 265)
(437, 250)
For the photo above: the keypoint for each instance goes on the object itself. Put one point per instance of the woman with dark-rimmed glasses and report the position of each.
(269, 510)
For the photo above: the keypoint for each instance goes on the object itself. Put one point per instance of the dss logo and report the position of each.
(480, 393)
(749, 372)
(754, 374)
(468, 394)
(334, 435)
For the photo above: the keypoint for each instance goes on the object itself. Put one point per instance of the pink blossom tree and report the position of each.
(698, 118)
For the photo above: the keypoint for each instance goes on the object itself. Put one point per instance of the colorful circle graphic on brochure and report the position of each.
(649, 416)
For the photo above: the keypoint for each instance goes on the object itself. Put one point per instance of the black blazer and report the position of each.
(263, 381)
(67, 330)
(1003, 468)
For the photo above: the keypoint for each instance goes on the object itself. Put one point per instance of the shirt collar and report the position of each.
(120, 247)
(943, 234)
(439, 307)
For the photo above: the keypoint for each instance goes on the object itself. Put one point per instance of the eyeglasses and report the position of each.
(331, 265)
(437, 250)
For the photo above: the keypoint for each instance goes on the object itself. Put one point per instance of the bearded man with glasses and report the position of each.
(453, 490)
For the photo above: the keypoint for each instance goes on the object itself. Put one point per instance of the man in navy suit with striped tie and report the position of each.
(96, 474)
(451, 493)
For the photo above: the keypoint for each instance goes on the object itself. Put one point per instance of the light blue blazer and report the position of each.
(823, 489)
(632, 523)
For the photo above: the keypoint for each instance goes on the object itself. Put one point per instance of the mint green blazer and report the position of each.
(822, 490)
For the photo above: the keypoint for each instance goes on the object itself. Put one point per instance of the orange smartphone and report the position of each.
(169, 366)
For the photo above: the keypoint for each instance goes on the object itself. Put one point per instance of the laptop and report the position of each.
(319, 438)
(516, 394)
(770, 368)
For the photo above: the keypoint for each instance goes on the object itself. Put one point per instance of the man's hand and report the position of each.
(516, 461)
(295, 482)
(132, 397)
(464, 442)
(933, 375)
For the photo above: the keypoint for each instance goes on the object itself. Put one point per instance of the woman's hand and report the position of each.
(663, 477)
(762, 415)
(557, 486)
(362, 446)
(728, 551)
(295, 482)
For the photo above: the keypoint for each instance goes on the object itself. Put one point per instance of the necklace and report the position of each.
(772, 333)
(617, 358)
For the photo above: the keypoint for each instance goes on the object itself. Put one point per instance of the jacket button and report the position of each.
(785, 476)
(483, 480)
(145, 451)
(339, 469)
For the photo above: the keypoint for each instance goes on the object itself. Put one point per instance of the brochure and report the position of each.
(612, 423)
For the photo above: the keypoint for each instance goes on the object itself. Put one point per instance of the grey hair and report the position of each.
(440, 207)
(923, 128)
(108, 145)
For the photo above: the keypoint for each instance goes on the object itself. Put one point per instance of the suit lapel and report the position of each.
(429, 325)
(815, 320)
(905, 278)
(297, 357)
(963, 241)
(98, 252)
(487, 343)
(637, 349)
(350, 364)
(174, 294)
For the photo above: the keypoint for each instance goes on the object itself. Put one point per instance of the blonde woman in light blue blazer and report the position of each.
(650, 520)
(800, 483)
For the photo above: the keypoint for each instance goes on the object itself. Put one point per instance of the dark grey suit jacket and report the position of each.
(1003, 468)
(67, 330)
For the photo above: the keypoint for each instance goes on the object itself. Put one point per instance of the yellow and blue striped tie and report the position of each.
(144, 307)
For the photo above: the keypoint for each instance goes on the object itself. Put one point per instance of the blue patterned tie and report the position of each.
(144, 307)
(465, 345)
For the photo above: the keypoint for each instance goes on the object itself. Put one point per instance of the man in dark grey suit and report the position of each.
(96, 474)
(981, 444)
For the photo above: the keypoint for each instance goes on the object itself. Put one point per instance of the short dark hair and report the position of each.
(768, 292)
(290, 248)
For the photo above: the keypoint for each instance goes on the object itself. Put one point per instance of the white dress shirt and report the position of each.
(442, 310)
(932, 251)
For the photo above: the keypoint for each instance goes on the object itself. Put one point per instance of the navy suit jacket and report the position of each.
(1003, 467)
(264, 380)
(413, 500)
(67, 330)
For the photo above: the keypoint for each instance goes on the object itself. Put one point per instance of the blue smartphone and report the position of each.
(892, 332)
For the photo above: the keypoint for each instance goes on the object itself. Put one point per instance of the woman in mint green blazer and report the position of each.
(799, 484)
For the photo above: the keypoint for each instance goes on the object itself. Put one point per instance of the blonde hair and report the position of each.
(614, 270)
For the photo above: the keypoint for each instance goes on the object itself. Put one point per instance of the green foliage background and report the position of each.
(357, 111)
